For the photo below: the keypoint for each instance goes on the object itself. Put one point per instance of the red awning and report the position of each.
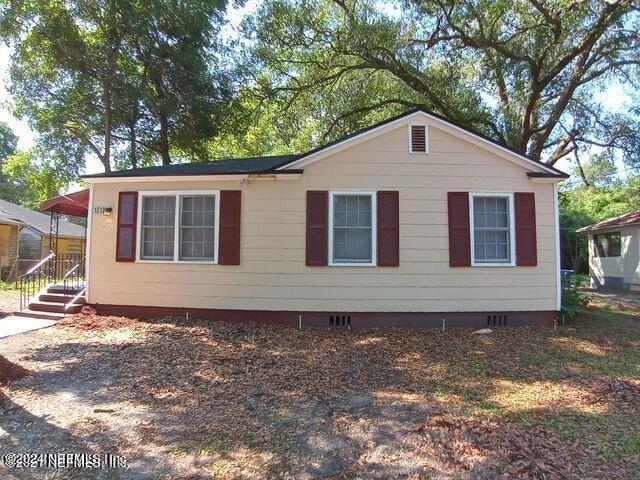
(75, 204)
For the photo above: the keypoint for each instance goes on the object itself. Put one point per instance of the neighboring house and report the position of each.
(415, 221)
(9, 230)
(614, 252)
(33, 238)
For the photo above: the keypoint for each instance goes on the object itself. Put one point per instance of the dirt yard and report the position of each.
(218, 400)
(9, 301)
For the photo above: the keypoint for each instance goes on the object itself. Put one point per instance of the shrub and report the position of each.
(571, 297)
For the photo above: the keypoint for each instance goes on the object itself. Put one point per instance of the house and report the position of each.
(33, 236)
(414, 221)
(9, 230)
(614, 252)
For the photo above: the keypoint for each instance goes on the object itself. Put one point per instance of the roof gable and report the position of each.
(39, 221)
(625, 220)
(419, 115)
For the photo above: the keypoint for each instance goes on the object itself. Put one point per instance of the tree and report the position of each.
(586, 205)
(522, 72)
(36, 176)
(111, 77)
(173, 44)
(8, 144)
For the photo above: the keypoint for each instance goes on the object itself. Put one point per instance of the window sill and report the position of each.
(474, 264)
(181, 262)
(337, 264)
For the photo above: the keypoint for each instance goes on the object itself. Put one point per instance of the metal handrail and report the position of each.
(38, 265)
(70, 268)
(71, 271)
(73, 300)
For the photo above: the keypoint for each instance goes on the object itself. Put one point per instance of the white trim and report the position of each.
(195, 178)
(426, 138)
(176, 237)
(430, 120)
(512, 229)
(546, 179)
(374, 228)
(87, 246)
(556, 211)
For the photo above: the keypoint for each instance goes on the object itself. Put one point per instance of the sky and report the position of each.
(614, 96)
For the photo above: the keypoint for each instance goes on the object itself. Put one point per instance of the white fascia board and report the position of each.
(546, 179)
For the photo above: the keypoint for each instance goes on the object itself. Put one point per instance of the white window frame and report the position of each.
(512, 229)
(374, 228)
(426, 138)
(176, 237)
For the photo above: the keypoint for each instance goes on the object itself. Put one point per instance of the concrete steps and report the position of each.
(52, 303)
(43, 315)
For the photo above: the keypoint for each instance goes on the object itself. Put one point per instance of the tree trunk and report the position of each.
(106, 97)
(133, 154)
(164, 138)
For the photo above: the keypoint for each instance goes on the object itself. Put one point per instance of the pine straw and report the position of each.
(460, 442)
(89, 319)
(228, 400)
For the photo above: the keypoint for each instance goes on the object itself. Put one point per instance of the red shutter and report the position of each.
(126, 235)
(317, 228)
(229, 249)
(388, 220)
(525, 213)
(459, 230)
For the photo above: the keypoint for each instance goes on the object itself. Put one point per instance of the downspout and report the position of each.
(87, 246)
(557, 233)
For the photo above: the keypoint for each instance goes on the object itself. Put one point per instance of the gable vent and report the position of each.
(419, 139)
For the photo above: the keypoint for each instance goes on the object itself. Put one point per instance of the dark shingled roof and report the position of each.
(229, 166)
(39, 221)
(631, 218)
(243, 166)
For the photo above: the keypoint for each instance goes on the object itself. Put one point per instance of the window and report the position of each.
(197, 227)
(158, 220)
(492, 232)
(178, 226)
(352, 228)
(418, 139)
(607, 244)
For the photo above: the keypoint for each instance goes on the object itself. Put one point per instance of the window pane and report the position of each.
(197, 225)
(491, 229)
(352, 218)
(359, 244)
(158, 218)
(615, 244)
(352, 235)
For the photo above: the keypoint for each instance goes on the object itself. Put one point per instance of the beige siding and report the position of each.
(8, 244)
(627, 265)
(272, 274)
(66, 245)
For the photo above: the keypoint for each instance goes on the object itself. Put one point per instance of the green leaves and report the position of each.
(123, 80)
(517, 71)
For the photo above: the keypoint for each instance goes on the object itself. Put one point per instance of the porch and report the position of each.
(55, 285)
